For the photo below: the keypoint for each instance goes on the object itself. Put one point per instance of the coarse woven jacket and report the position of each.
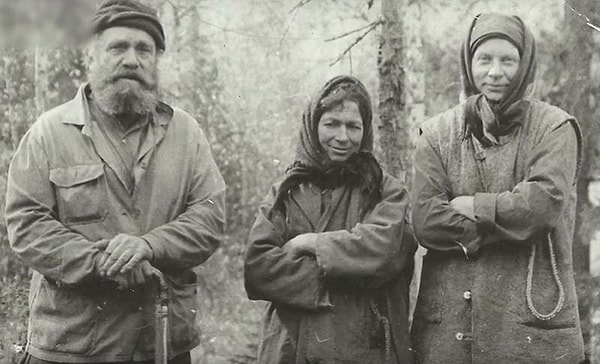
(481, 280)
(59, 204)
(321, 309)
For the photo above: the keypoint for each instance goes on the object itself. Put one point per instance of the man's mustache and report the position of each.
(132, 76)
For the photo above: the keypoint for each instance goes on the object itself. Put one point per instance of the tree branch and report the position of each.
(350, 32)
(371, 27)
(299, 5)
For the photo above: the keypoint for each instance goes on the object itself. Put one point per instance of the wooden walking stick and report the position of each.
(161, 326)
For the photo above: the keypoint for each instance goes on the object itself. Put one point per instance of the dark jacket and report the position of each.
(332, 308)
(482, 280)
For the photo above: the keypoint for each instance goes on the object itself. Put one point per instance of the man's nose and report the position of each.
(130, 59)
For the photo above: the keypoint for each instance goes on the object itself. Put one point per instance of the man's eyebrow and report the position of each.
(118, 42)
(143, 42)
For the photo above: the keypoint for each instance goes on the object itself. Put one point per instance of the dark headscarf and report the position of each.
(492, 25)
(131, 14)
(312, 164)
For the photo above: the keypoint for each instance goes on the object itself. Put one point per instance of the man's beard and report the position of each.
(127, 93)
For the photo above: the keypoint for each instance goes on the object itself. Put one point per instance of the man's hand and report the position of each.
(123, 253)
(303, 244)
(594, 192)
(464, 205)
(138, 276)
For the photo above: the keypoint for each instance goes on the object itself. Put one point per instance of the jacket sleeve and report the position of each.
(534, 205)
(34, 231)
(196, 233)
(374, 250)
(271, 274)
(437, 225)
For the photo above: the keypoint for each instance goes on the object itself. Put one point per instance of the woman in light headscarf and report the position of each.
(331, 250)
(494, 204)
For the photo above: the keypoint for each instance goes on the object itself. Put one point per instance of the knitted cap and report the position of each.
(129, 13)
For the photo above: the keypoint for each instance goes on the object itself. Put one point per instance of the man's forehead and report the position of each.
(113, 34)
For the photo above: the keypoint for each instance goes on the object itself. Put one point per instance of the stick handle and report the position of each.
(161, 326)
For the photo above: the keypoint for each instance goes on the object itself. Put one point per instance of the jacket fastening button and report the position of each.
(467, 295)
(459, 336)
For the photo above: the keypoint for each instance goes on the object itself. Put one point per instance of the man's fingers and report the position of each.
(108, 261)
(131, 263)
(101, 244)
(114, 244)
(139, 277)
(101, 262)
(121, 281)
(118, 263)
(113, 250)
(147, 270)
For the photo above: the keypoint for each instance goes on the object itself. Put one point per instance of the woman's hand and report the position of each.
(464, 206)
(303, 244)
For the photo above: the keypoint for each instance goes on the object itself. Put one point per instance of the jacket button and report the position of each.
(459, 336)
(467, 295)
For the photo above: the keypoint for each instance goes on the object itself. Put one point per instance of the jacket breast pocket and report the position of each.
(80, 193)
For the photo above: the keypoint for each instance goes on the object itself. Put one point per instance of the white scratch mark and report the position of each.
(587, 20)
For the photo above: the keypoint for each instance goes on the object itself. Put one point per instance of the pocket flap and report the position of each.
(74, 175)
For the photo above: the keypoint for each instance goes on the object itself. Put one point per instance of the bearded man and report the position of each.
(102, 189)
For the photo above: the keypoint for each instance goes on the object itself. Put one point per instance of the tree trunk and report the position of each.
(415, 77)
(393, 130)
(40, 80)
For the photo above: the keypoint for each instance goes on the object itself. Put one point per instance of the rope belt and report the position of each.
(386, 327)
(561, 291)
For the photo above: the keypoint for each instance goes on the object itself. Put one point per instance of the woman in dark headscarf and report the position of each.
(494, 204)
(331, 249)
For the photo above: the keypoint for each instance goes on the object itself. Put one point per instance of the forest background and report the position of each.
(247, 68)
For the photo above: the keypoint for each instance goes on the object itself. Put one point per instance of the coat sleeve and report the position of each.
(271, 274)
(374, 250)
(534, 205)
(35, 232)
(437, 225)
(196, 233)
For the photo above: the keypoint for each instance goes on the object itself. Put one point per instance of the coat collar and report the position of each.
(308, 198)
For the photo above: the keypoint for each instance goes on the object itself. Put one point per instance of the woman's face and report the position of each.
(495, 63)
(341, 130)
